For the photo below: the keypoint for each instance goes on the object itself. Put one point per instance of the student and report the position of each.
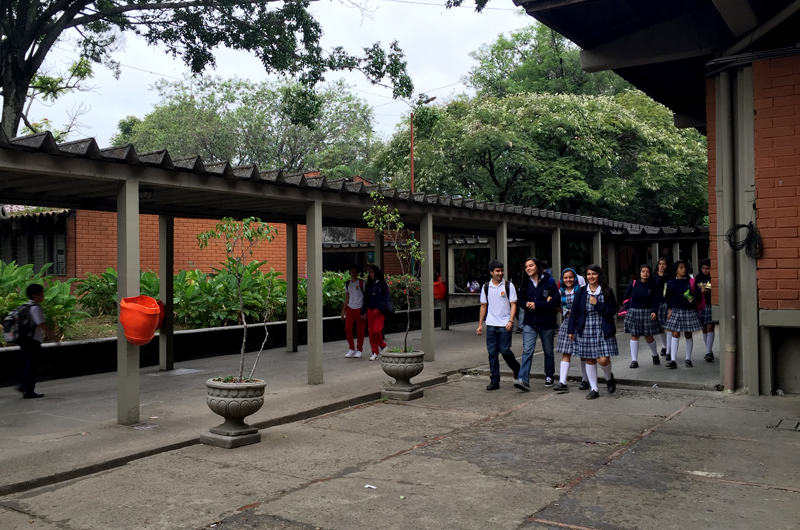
(703, 280)
(566, 347)
(539, 295)
(662, 276)
(32, 331)
(376, 295)
(351, 313)
(592, 324)
(683, 316)
(498, 305)
(642, 316)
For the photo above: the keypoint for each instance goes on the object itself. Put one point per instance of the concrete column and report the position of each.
(767, 371)
(426, 288)
(533, 250)
(127, 285)
(676, 252)
(166, 265)
(492, 248)
(613, 267)
(314, 291)
(501, 248)
(597, 248)
(291, 287)
(655, 250)
(379, 240)
(555, 251)
(451, 270)
(444, 271)
(695, 258)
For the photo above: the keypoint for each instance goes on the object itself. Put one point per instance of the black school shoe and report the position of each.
(611, 384)
(560, 387)
(584, 385)
(32, 395)
(592, 395)
(656, 360)
(634, 364)
(671, 364)
(663, 352)
(709, 357)
(689, 364)
(493, 386)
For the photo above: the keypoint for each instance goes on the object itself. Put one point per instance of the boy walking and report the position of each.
(31, 333)
(498, 307)
(351, 313)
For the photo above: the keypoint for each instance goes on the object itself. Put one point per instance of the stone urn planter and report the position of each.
(234, 402)
(402, 366)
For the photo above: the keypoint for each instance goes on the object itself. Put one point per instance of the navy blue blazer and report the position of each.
(607, 309)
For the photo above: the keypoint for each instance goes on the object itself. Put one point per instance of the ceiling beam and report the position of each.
(533, 6)
(738, 15)
(690, 35)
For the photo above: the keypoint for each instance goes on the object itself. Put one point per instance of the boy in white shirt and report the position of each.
(32, 332)
(351, 313)
(498, 307)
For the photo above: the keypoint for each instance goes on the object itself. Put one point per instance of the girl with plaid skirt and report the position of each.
(703, 280)
(683, 316)
(662, 276)
(566, 347)
(592, 325)
(641, 320)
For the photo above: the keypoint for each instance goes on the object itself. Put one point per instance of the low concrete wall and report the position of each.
(85, 357)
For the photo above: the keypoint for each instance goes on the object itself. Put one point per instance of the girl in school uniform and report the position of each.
(683, 317)
(662, 276)
(566, 347)
(592, 325)
(703, 280)
(641, 320)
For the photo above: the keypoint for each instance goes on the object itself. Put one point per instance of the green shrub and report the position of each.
(403, 288)
(98, 294)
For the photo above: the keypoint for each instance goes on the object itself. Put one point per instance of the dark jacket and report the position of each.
(376, 294)
(661, 284)
(544, 316)
(607, 309)
(701, 278)
(643, 295)
(676, 294)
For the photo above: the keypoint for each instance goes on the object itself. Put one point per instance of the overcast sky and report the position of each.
(437, 43)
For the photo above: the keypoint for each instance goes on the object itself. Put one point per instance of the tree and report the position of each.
(618, 157)
(284, 36)
(250, 123)
(537, 59)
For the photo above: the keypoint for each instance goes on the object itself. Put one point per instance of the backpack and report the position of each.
(626, 304)
(17, 323)
(701, 302)
(486, 293)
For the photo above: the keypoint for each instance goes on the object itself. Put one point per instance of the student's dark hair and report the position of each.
(378, 273)
(494, 264)
(658, 264)
(705, 262)
(677, 264)
(356, 267)
(544, 263)
(646, 266)
(608, 293)
(34, 289)
(540, 268)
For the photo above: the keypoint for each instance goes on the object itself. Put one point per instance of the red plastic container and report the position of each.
(139, 316)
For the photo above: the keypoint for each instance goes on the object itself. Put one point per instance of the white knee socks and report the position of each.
(689, 347)
(673, 350)
(653, 350)
(662, 337)
(710, 342)
(634, 350)
(562, 376)
(591, 372)
(607, 371)
(584, 377)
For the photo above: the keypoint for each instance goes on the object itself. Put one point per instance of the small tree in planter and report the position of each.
(408, 363)
(236, 397)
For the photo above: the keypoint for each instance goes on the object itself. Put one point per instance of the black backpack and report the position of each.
(17, 323)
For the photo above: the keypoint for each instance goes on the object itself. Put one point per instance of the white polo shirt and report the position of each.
(499, 311)
(354, 289)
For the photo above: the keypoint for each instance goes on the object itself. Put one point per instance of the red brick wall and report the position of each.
(711, 134)
(776, 85)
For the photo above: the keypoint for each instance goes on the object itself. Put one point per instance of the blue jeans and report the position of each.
(498, 341)
(529, 334)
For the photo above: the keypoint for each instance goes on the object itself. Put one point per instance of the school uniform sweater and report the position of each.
(643, 295)
(607, 309)
(675, 296)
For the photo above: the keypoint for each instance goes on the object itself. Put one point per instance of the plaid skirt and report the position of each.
(705, 315)
(638, 323)
(564, 345)
(662, 314)
(684, 320)
(590, 344)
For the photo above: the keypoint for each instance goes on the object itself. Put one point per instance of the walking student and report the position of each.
(498, 306)
(662, 276)
(566, 347)
(377, 295)
(539, 295)
(703, 280)
(683, 317)
(351, 313)
(33, 330)
(641, 320)
(592, 324)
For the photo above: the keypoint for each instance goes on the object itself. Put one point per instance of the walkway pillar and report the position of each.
(314, 291)
(597, 248)
(555, 251)
(166, 265)
(676, 252)
(127, 285)
(379, 250)
(695, 259)
(291, 287)
(533, 250)
(426, 289)
(492, 248)
(444, 272)
(656, 252)
(501, 248)
(613, 268)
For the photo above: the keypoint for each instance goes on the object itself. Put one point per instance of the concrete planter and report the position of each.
(234, 402)
(402, 366)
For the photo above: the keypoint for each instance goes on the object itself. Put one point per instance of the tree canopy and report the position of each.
(611, 156)
(250, 123)
(283, 35)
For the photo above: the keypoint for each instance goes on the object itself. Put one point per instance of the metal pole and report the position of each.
(314, 291)
(426, 280)
(127, 285)
(291, 288)
(412, 152)
(166, 262)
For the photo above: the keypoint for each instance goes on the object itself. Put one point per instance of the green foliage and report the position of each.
(618, 157)
(405, 290)
(59, 305)
(97, 294)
